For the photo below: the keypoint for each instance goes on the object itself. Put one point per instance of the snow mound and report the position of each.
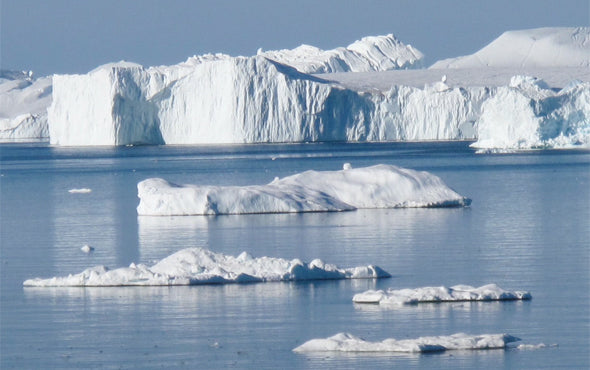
(540, 47)
(528, 115)
(195, 266)
(372, 53)
(380, 186)
(23, 106)
(457, 293)
(344, 342)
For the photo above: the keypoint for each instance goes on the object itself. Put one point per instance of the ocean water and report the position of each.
(528, 228)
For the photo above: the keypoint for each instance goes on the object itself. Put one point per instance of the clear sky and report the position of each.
(75, 36)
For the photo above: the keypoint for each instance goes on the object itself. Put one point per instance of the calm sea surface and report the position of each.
(528, 228)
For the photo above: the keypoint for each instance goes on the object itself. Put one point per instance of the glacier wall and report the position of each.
(247, 100)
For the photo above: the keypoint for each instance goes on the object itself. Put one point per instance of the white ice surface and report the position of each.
(344, 342)
(23, 106)
(540, 47)
(372, 53)
(380, 186)
(194, 266)
(528, 115)
(216, 98)
(490, 292)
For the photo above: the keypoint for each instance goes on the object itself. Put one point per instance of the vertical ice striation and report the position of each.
(246, 100)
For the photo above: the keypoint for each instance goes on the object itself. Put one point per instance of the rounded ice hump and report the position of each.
(379, 186)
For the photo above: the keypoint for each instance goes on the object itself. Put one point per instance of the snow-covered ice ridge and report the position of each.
(539, 47)
(457, 293)
(23, 106)
(195, 266)
(380, 186)
(344, 342)
(372, 53)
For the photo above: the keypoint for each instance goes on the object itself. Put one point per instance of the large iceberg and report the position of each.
(380, 186)
(372, 53)
(278, 96)
(527, 114)
(195, 266)
(344, 342)
(457, 293)
(23, 106)
(247, 100)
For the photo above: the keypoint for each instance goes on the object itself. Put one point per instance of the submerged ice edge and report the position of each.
(345, 342)
(457, 293)
(198, 266)
(379, 186)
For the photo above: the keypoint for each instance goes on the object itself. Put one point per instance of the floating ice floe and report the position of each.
(380, 186)
(86, 248)
(196, 266)
(344, 342)
(457, 293)
(80, 191)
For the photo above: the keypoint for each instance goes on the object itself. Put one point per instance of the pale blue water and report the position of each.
(528, 228)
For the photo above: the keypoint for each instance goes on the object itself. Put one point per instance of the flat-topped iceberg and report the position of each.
(217, 98)
(344, 342)
(457, 293)
(380, 186)
(197, 266)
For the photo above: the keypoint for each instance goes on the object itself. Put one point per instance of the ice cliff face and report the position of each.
(373, 53)
(527, 114)
(245, 100)
(216, 98)
(23, 103)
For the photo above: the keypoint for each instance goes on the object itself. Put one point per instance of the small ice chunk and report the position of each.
(80, 191)
(346, 166)
(86, 248)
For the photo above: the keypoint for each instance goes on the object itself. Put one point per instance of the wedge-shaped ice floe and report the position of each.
(457, 293)
(196, 266)
(380, 186)
(344, 342)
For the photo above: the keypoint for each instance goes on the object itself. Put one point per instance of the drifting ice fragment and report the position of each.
(196, 266)
(344, 342)
(380, 186)
(457, 293)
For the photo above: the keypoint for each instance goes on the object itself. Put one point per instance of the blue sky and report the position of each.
(75, 36)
